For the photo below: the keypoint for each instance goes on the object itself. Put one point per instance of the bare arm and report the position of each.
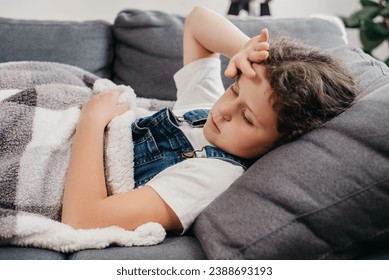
(207, 34)
(85, 203)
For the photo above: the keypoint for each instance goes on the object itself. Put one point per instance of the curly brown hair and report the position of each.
(310, 86)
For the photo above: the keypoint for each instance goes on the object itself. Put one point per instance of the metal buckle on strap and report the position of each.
(194, 154)
(181, 119)
(194, 124)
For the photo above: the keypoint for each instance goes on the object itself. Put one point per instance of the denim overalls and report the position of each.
(160, 143)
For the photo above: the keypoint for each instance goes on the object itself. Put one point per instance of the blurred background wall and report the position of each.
(107, 9)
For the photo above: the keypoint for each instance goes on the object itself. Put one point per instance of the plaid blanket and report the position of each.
(39, 108)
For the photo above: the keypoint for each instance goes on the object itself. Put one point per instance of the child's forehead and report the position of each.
(260, 70)
(261, 76)
(259, 84)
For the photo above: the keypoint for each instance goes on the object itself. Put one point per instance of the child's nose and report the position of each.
(227, 111)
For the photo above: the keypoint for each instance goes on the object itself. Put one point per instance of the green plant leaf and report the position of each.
(366, 14)
(385, 12)
(371, 21)
(375, 30)
(372, 35)
(369, 3)
(350, 22)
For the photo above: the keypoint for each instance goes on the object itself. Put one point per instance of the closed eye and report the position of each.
(247, 119)
(244, 115)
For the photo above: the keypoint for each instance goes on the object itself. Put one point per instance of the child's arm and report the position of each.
(207, 34)
(85, 202)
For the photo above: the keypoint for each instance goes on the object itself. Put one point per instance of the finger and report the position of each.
(114, 94)
(124, 107)
(262, 46)
(115, 97)
(258, 56)
(264, 35)
(247, 69)
(108, 96)
(107, 93)
(231, 70)
(121, 108)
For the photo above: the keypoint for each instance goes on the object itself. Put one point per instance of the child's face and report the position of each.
(243, 122)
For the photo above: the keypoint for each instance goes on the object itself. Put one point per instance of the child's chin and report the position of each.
(208, 134)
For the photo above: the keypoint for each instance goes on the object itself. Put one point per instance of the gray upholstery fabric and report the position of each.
(85, 44)
(148, 52)
(172, 248)
(324, 196)
(149, 46)
(287, 187)
(21, 253)
(185, 247)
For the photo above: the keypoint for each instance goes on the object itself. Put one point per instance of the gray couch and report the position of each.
(324, 196)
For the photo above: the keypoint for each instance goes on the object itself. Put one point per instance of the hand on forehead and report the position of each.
(254, 51)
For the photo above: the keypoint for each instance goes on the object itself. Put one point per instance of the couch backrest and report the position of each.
(142, 48)
(87, 44)
(148, 45)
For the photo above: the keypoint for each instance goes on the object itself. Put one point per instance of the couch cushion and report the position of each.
(172, 248)
(22, 253)
(149, 46)
(148, 52)
(323, 196)
(85, 44)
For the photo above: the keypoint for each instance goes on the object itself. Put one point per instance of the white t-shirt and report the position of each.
(189, 186)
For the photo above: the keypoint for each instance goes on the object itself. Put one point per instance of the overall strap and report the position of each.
(196, 118)
(213, 152)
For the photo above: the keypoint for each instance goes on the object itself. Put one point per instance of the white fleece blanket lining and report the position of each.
(26, 228)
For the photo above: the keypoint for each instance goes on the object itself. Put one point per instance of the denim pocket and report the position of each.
(145, 146)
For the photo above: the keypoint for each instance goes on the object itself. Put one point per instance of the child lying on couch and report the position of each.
(184, 158)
